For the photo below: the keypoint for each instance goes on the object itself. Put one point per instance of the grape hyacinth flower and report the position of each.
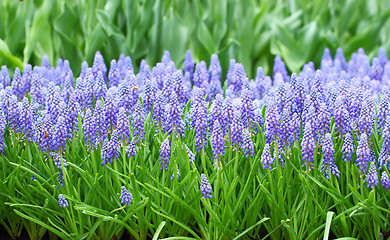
(111, 108)
(138, 121)
(72, 114)
(17, 84)
(247, 144)
(217, 140)
(123, 124)
(385, 180)
(126, 197)
(199, 118)
(328, 157)
(114, 76)
(177, 174)
(62, 201)
(348, 148)
(100, 87)
(383, 158)
(60, 135)
(159, 114)
(189, 64)
(205, 187)
(58, 160)
(372, 176)
(247, 109)
(131, 149)
(174, 122)
(111, 149)
(216, 112)
(165, 154)
(89, 129)
(236, 129)
(272, 122)
(2, 130)
(363, 153)
(308, 145)
(266, 158)
(200, 74)
(26, 119)
(99, 120)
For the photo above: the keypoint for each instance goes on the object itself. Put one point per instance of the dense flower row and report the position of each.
(348, 100)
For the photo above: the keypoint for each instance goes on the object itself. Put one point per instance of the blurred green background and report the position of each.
(252, 31)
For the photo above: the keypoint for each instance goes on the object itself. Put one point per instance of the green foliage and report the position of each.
(251, 31)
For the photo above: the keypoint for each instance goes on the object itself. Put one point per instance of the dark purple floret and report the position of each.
(178, 88)
(372, 177)
(247, 144)
(308, 145)
(297, 94)
(363, 153)
(123, 124)
(138, 121)
(62, 201)
(383, 159)
(272, 122)
(216, 112)
(114, 76)
(126, 197)
(13, 113)
(72, 114)
(328, 165)
(165, 154)
(36, 89)
(67, 88)
(341, 116)
(385, 180)
(199, 118)
(131, 149)
(159, 114)
(59, 161)
(247, 108)
(217, 140)
(348, 148)
(26, 119)
(236, 129)
(110, 150)
(205, 187)
(89, 129)
(45, 134)
(2, 130)
(383, 111)
(111, 108)
(266, 158)
(99, 119)
(149, 95)
(100, 87)
(60, 135)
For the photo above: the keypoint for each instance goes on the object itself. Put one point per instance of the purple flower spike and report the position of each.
(4, 77)
(247, 108)
(17, 84)
(328, 164)
(165, 154)
(111, 149)
(189, 64)
(385, 180)
(89, 128)
(139, 121)
(266, 158)
(123, 124)
(25, 119)
(247, 144)
(348, 148)
(60, 134)
(205, 187)
(100, 87)
(236, 129)
(308, 145)
(372, 176)
(126, 197)
(131, 149)
(62, 201)
(114, 76)
(199, 118)
(363, 153)
(272, 122)
(217, 140)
